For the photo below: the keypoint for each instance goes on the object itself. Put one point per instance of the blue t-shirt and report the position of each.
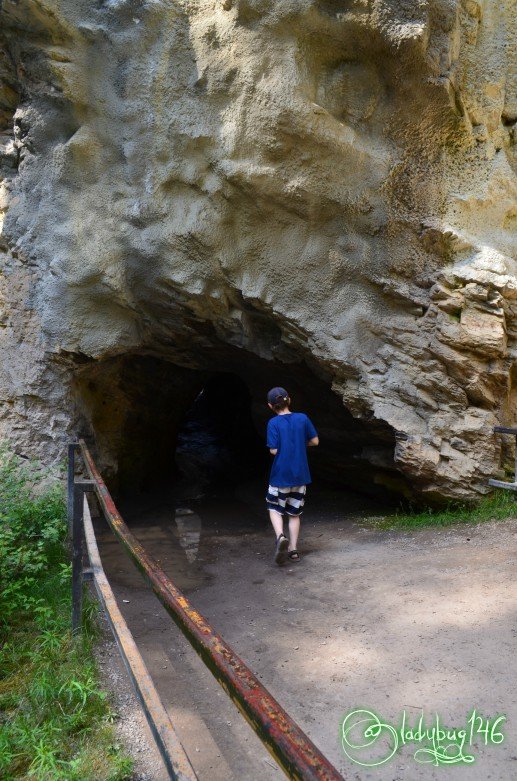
(290, 434)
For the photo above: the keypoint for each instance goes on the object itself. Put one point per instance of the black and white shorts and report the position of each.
(288, 500)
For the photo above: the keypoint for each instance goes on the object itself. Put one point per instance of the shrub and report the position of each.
(55, 719)
(32, 531)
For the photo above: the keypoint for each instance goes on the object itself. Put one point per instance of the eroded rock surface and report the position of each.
(319, 182)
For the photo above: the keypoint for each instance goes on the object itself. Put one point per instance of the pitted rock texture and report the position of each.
(319, 182)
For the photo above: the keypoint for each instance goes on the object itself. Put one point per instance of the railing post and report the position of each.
(515, 470)
(79, 487)
(70, 484)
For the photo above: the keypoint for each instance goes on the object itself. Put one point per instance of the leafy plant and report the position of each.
(32, 530)
(54, 716)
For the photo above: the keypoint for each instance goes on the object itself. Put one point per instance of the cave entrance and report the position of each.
(218, 445)
(154, 424)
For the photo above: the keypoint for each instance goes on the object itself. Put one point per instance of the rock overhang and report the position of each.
(307, 184)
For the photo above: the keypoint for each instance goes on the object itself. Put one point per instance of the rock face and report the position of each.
(277, 188)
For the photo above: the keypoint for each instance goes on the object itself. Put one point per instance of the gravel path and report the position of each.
(131, 726)
(389, 621)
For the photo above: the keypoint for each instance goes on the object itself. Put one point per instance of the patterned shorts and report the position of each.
(288, 500)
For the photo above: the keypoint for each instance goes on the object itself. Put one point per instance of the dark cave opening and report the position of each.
(156, 425)
(218, 444)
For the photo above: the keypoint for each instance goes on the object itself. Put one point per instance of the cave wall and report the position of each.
(129, 410)
(327, 182)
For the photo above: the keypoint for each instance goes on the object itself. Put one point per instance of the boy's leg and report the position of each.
(294, 507)
(275, 501)
(278, 522)
(281, 540)
(294, 531)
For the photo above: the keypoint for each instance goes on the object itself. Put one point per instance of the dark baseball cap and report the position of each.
(277, 395)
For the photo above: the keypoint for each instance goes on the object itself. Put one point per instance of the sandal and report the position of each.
(294, 555)
(282, 543)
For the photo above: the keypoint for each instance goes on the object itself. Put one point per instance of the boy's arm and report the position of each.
(272, 439)
(311, 433)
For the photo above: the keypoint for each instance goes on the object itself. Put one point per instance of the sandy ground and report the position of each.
(388, 621)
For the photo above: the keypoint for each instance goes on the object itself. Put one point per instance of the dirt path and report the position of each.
(386, 621)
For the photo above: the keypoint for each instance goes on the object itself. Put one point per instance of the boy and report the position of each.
(288, 435)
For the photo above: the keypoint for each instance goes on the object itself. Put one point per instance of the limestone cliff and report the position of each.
(323, 185)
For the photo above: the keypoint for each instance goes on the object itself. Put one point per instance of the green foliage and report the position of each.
(498, 506)
(32, 531)
(55, 720)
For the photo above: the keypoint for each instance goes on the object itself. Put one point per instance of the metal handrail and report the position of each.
(291, 748)
(501, 483)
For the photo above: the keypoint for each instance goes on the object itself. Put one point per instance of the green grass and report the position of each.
(56, 722)
(499, 506)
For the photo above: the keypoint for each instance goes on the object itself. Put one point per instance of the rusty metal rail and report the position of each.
(173, 754)
(290, 747)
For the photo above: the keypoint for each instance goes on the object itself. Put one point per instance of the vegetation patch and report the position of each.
(499, 506)
(56, 722)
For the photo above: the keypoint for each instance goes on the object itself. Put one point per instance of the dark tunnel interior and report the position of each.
(218, 442)
(155, 424)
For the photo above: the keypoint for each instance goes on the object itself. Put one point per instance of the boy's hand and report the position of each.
(273, 451)
(313, 442)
